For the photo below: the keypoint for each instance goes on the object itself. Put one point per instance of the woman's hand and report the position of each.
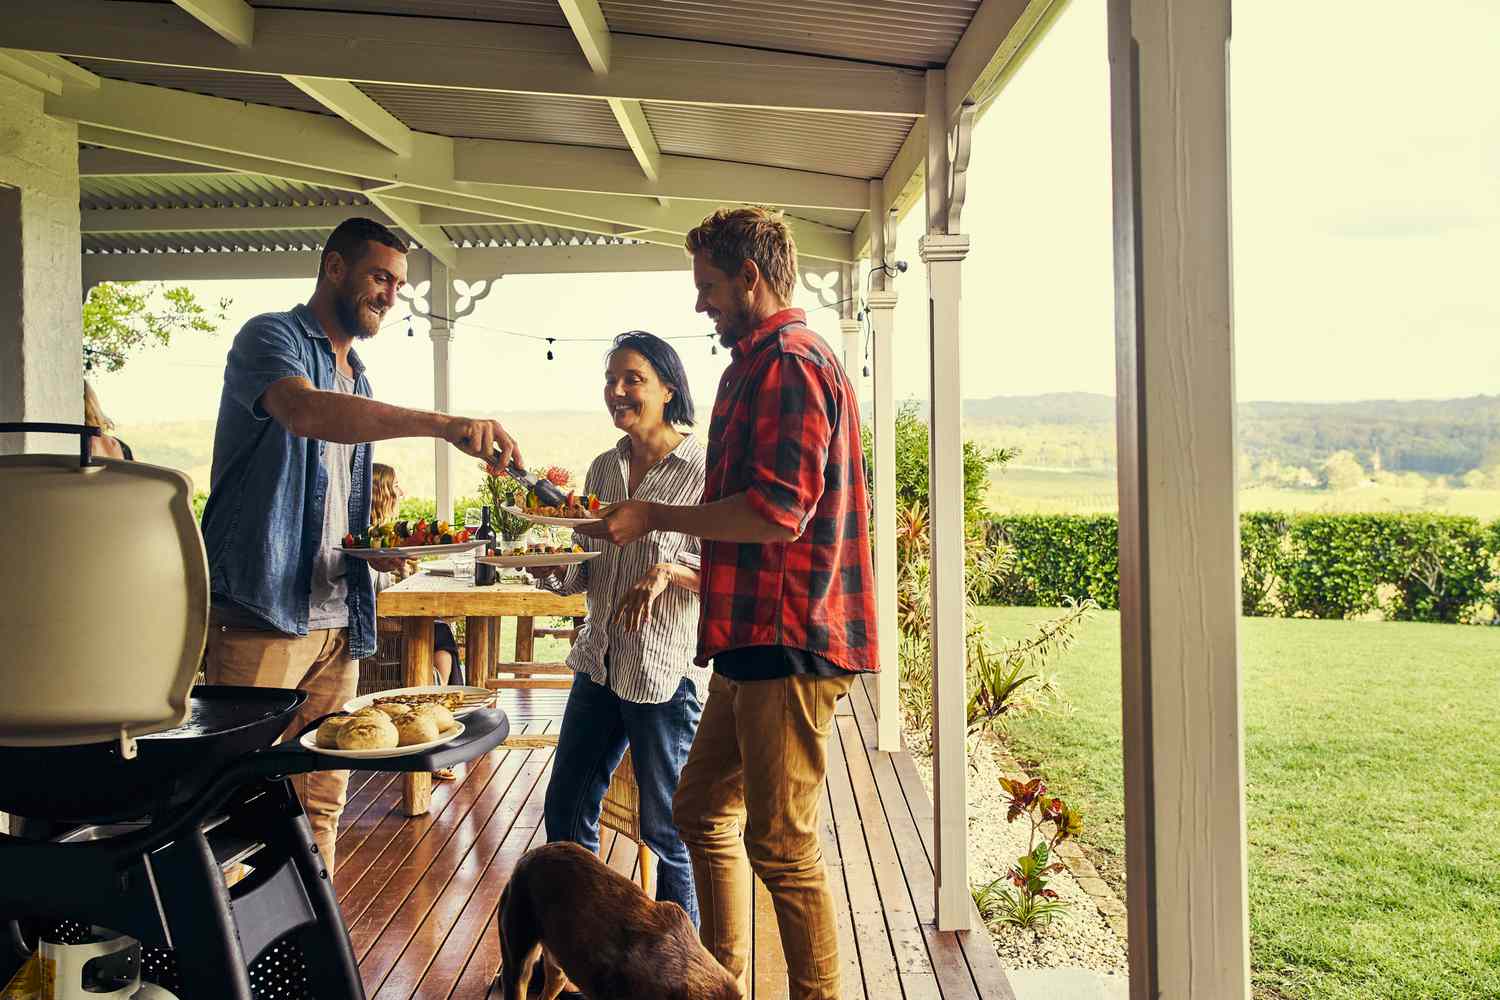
(634, 609)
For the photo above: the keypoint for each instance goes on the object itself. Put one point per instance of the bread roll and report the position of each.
(370, 710)
(369, 732)
(393, 708)
(328, 732)
(416, 727)
(440, 716)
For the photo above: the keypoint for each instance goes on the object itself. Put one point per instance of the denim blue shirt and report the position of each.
(264, 519)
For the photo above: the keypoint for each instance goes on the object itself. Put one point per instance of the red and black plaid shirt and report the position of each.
(785, 432)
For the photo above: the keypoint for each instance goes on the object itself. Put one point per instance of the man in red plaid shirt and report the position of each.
(788, 600)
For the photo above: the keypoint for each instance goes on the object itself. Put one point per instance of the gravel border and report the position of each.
(1090, 934)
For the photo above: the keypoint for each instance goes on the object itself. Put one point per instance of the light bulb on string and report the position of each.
(713, 347)
(550, 342)
(409, 331)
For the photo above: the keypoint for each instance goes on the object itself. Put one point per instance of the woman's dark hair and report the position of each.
(663, 358)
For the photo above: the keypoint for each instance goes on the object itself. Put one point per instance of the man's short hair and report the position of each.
(732, 236)
(348, 240)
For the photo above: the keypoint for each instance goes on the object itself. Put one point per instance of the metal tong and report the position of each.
(545, 490)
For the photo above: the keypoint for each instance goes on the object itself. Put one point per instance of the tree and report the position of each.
(121, 317)
(1475, 480)
(911, 464)
(1342, 471)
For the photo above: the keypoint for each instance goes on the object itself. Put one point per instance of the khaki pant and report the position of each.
(758, 764)
(318, 664)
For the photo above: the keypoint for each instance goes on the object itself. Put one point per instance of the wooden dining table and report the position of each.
(419, 600)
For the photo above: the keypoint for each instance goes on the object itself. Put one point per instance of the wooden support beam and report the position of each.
(231, 20)
(170, 151)
(351, 104)
(464, 54)
(409, 217)
(589, 27)
(1185, 841)
(118, 163)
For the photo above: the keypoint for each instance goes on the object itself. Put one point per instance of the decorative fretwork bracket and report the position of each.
(960, 146)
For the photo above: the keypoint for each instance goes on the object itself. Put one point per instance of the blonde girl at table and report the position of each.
(635, 684)
(385, 500)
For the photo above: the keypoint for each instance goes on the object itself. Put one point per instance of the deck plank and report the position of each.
(877, 959)
(420, 895)
(988, 975)
(499, 846)
(421, 839)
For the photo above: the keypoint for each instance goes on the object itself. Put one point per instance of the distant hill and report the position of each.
(1073, 430)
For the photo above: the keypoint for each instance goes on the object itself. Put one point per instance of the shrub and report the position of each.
(1030, 904)
(911, 464)
(1410, 567)
(1059, 559)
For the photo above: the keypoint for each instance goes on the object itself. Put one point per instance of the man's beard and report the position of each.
(736, 324)
(350, 313)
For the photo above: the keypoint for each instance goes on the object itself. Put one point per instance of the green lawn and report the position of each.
(1372, 754)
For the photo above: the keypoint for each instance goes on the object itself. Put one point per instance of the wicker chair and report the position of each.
(622, 812)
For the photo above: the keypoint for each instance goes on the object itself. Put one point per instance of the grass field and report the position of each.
(1026, 490)
(1372, 753)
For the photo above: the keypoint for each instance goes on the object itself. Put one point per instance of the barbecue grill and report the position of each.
(135, 788)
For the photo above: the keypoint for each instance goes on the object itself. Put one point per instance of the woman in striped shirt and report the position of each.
(635, 683)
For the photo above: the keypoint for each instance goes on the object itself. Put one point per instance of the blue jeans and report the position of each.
(596, 728)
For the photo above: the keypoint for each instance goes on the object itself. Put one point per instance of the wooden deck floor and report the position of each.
(419, 895)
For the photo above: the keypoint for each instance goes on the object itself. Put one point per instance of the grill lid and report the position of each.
(103, 602)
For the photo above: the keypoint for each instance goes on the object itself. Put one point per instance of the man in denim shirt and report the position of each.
(291, 476)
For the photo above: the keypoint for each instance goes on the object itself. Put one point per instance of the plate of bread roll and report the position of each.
(387, 729)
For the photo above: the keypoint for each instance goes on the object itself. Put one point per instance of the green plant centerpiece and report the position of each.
(503, 491)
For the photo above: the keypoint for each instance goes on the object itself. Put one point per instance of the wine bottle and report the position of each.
(484, 573)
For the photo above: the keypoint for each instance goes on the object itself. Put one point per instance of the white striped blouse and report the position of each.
(646, 666)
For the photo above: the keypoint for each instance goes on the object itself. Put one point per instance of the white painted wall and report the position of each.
(41, 322)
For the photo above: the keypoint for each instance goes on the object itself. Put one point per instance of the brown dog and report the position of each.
(596, 927)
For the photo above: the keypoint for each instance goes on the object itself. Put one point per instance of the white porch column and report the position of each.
(41, 336)
(850, 327)
(881, 303)
(1179, 545)
(440, 306)
(943, 250)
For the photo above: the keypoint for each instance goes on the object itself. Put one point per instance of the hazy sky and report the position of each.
(1366, 159)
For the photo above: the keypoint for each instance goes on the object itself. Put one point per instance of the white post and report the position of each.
(1179, 544)
(943, 253)
(882, 306)
(850, 327)
(41, 351)
(440, 305)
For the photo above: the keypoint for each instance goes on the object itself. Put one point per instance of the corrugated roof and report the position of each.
(310, 240)
(504, 11)
(523, 234)
(256, 88)
(917, 33)
(207, 190)
(852, 145)
(472, 114)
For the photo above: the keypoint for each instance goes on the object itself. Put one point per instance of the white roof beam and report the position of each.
(102, 221)
(355, 107)
(409, 217)
(466, 55)
(256, 138)
(499, 213)
(472, 261)
(997, 41)
(24, 71)
(231, 20)
(181, 154)
(614, 171)
(56, 68)
(589, 27)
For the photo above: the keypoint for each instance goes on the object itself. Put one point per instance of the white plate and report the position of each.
(474, 697)
(522, 560)
(310, 741)
(559, 522)
(414, 551)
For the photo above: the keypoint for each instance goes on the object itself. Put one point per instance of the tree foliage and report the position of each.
(911, 464)
(122, 317)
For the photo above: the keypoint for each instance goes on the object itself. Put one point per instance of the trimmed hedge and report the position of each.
(1409, 567)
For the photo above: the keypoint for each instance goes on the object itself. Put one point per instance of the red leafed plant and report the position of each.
(1027, 901)
(557, 475)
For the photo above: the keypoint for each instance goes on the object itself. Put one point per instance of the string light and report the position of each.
(713, 345)
(550, 342)
(409, 331)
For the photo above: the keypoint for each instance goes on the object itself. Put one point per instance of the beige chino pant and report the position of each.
(757, 765)
(319, 664)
